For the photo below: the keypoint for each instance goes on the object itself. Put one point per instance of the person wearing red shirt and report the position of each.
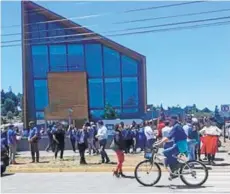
(160, 126)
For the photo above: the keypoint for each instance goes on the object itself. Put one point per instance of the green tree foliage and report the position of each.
(109, 112)
(9, 105)
(10, 115)
(10, 102)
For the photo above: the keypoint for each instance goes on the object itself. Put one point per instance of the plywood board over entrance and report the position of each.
(67, 90)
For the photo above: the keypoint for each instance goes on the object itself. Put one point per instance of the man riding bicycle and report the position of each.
(179, 138)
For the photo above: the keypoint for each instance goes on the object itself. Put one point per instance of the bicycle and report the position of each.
(153, 160)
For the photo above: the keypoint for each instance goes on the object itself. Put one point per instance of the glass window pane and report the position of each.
(111, 62)
(130, 110)
(93, 60)
(75, 57)
(40, 61)
(41, 94)
(40, 115)
(97, 114)
(130, 91)
(129, 66)
(96, 93)
(113, 91)
(58, 58)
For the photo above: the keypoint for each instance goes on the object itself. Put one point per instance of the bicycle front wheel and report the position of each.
(144, 169)
(193, 171)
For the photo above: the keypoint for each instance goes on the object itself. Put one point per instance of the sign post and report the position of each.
(225, 109)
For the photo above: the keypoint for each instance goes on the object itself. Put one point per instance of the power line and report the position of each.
(132, 33)
(130, 21)
(112, 13)
(127, 29)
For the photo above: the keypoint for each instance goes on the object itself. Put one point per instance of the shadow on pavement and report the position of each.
(44, 162)
(219, 159)
(189, 187)
(7, 174)
(222, 164)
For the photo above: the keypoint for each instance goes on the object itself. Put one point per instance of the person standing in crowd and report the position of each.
(102, 137)
(118, 146)
(160, 126)
(129, 139)
(95, 139)
(141, 137)
(34, 137)
(192, 137)
(90, 139)
(212, 134)
(50, 138)
(12, 143)
(166, 130)
(196, 127)
(59, 138)
(72, 135)
(81, 137)
(150, 137)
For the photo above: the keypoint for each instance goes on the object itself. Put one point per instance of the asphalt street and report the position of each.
(218, 182)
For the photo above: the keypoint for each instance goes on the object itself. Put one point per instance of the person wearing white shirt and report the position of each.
(211, 135)
(166, 129)
(149, 134)
(102, 136)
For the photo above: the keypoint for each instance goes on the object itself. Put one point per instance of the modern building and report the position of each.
(71, 71)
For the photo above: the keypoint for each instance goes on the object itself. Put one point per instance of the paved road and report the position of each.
(218, 182)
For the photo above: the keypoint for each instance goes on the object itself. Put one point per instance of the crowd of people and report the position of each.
(194, 137)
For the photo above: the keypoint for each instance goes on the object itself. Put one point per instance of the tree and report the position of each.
(3, 96)
(109, 112)
(10, 115)
(16, 112)
(12, 96)
(9, 105)
(3, 111)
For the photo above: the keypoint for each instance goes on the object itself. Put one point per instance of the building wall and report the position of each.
(67, 91)
(113, 77)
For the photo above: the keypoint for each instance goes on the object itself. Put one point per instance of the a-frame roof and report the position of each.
(29, 5)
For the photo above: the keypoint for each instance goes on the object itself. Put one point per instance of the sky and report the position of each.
(184, 67)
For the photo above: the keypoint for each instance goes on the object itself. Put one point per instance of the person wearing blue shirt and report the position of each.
(192, 135)
(81, 138)
(12, 143)
(50, 138)
(72, 135)
(179, 137)
(34, 137)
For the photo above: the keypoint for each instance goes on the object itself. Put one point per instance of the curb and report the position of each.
(56, 170)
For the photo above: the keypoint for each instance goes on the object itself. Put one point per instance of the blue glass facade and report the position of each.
(113, 77)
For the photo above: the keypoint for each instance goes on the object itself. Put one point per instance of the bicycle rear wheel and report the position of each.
(193, 169)
(144, 168)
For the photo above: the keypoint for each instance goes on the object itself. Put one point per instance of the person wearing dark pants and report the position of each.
(34, 137)
(102, 137)
(51, 141)
(81, 137)
(72, 136)
(59, 138)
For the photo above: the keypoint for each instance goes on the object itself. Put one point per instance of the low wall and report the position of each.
(23, 144)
